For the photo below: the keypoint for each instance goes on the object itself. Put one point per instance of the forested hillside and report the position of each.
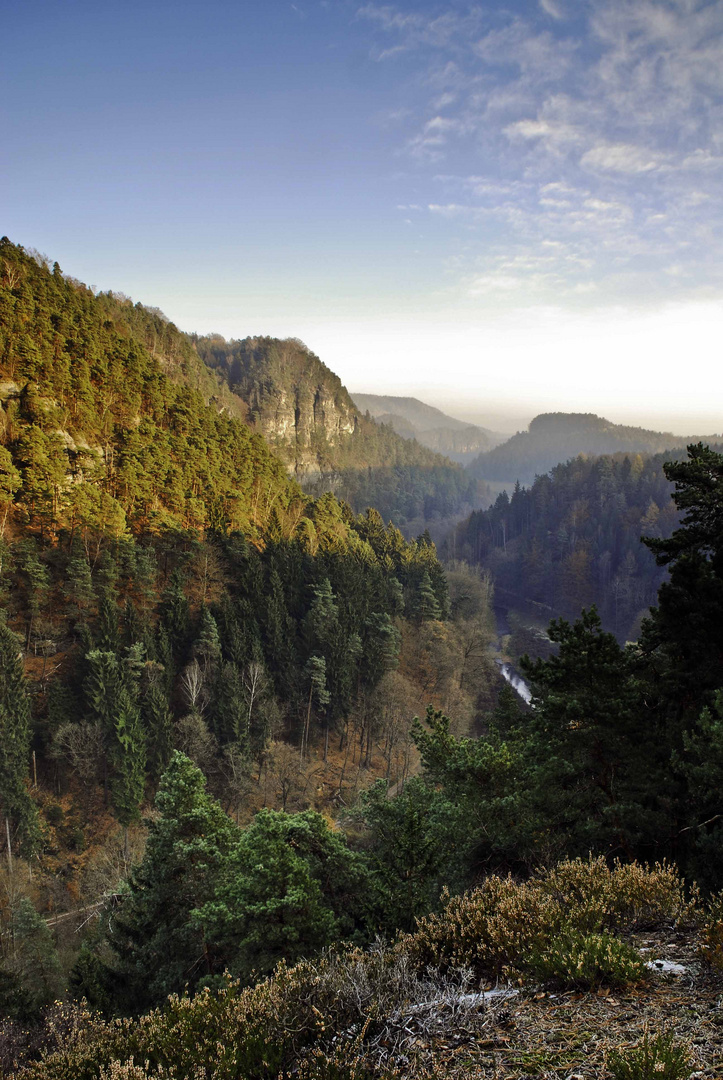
(308, 417)
(160, 566)
(166, 587)
(573, 538)
(621, 757)
(556, 437)
(103, 426)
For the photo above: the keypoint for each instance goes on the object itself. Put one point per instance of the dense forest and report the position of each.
(307, 416)
(573, 539)
(254, 750)
(620, 755)
(556, 437)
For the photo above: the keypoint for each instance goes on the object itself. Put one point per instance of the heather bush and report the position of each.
(653, 1058)
(493, 928)
(586, 961)
(487, 929)
(628, 897)
(310, 1019)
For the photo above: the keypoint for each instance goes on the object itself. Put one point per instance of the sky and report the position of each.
(501, 208)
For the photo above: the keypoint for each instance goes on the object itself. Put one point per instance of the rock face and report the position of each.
(294, 400)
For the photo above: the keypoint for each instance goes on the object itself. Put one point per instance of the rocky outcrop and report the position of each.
(293, 399)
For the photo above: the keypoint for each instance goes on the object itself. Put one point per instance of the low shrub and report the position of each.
(493, 927)
(486, 930)
(310, 1019)
(711, 936)
(586, 961)
(653, 1058)
(627, 897)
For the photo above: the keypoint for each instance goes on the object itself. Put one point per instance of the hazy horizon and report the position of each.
(500, 420)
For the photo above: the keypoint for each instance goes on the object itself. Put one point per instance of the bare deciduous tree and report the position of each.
(193, 688)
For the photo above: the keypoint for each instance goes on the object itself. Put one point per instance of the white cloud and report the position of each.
(623, 158)
(552, 8)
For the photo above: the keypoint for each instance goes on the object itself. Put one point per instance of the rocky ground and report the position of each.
(549, 1035)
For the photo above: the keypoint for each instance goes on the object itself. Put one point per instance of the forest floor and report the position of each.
(564, 1036)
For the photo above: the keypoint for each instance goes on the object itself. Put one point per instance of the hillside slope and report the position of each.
(556, 437)
(414, 419)
(108, 418)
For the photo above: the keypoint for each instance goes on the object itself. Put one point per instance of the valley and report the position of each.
(276, 674)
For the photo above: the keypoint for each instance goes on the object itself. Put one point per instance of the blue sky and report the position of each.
(502, 208)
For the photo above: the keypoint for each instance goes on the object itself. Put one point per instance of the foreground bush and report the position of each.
(627, 897)
(495, 928)
(321, 1020)
(310, 1020)
(656, 1058)
(587, 961)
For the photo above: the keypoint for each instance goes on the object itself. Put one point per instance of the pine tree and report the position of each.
(128, 757)
(207, 646)
(77, 584)
(683, 638)
(426, 605)
(158, 724)
(291, 887)
(35, 960)
(595, 758)
(107, 632)
(315, 672)
(111, 695)
(158, 948)
(18, 810)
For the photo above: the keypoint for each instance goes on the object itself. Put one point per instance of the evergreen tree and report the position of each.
(381, 651)
(315, 672)
(683, 638)
(157, 722)
(18, 810)
(128, 759)
(77, 584)
(415, 842)
(175, 616)
(111, 696)
(596, 760)
(35, 962)
(158, 949)
(290, 888)
(207, 646)
(426, 606)
(107, 633)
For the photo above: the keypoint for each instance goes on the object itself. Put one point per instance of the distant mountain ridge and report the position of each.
(412, 418)
(553, 438)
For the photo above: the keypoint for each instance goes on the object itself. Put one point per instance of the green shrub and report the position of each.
(656, 1058)
(586, 961)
